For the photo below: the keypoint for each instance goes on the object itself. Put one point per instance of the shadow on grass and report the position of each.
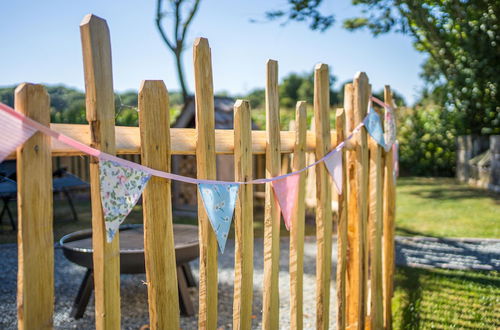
(446, 299)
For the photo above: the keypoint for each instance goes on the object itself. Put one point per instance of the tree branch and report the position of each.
(159, 17)
(190, 18)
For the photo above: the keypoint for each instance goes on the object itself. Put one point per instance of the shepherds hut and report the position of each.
(183, 194)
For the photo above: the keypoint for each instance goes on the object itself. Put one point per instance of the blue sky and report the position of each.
(40, 43)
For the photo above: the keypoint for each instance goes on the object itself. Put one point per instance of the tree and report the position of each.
(462, 39)
(178, 8)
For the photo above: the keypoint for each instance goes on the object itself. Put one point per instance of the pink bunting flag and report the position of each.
(14, 133)
(286, 192)
(334, 166)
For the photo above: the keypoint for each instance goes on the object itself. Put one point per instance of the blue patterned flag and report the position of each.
(373, 125)
(219, 201)
(121, 188)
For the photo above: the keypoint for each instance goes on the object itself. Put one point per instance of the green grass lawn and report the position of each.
(444, 208)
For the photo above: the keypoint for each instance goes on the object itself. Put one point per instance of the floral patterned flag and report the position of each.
(219, 201)
(390, 129)
(121, 188)
(374, 127)
(334, 166)
(286, 192)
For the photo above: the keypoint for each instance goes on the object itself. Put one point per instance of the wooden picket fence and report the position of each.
(365, 217)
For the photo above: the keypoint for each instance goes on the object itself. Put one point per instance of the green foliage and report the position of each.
(427, 141)
(303, 10)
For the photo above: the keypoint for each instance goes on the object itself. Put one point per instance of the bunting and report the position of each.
(219, 201)
(286, 192)
(374, 127)
(390, 129)
(395, 159)
(14, 133)
(121, 188)
(334, 166)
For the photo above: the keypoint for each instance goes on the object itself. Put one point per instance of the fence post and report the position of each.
(159, 248)
(355, 105)
(389, 216)
(243, 218)
(376, 317)
(205, 167)
(35, 279)
(341, 228)
(297, 221)
(272, 216)
(100, 106)
(324, 218)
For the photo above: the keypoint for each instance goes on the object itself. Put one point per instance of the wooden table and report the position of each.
(77, 248)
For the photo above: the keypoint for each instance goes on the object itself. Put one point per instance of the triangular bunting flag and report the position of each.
(374, 127)
(14, 134)
(390, 129)
(395, 159)
(334, 166)
(121, 188)
(219, 201)
(286, 192)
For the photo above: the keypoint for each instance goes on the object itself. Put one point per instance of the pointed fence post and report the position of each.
(355, 105)
(243, 218)
(35, 285)
(272, 216)
(100, 105)
(298, 221)
(376, 185)
(324, 217)
(159, 247)
(388, 226)
(342, 228)
(205, 161)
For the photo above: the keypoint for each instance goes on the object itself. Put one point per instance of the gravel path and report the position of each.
(460, 253)
(134, 292)
(411, 251)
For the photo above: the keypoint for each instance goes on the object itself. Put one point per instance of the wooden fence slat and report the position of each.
(298, 221)
(376, 317)
(324, 218)
(341, 229)
(272, 216)
(243, 218)
(389, 216)
(35, 286)
(159, 248)
(205, 161)
(100, 107)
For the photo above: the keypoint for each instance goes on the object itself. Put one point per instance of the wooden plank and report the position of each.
(389, 216)
(342, 229)
(298, 221)
(324, 218)
(100, 107)
(243, 218)
(183, 141)
(355, 105)
(159, 248)
(376, 317)
(272, 216)
(35, 277)
(205, 164)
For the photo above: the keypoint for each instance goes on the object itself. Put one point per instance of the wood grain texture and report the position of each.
(99, 96)
(298, 221)
(389, 216)
(159, 248)
(205, 166)
(182, 141)
(324, 217)
(341, 229)
(243, 218)
(35, 277)
(376, 186)
(272, 216)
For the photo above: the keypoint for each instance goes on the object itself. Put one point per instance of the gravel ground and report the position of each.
(412, 251)
(134, 292)
(460, 253)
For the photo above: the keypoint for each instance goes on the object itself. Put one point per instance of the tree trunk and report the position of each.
(180, 73)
